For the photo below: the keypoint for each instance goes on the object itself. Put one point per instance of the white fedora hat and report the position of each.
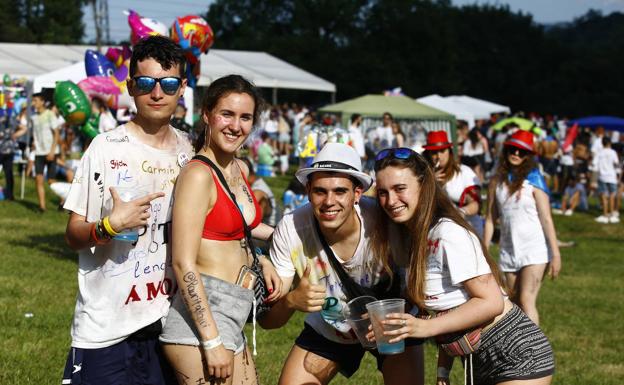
(336, 157)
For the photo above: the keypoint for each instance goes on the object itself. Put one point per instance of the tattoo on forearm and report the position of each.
(192, 298)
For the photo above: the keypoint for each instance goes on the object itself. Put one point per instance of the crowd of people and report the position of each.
(170, 305)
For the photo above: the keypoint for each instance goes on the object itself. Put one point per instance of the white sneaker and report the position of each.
(615, 214)
(614, 219)
(557, 211)
(568, 213)
(602, 219)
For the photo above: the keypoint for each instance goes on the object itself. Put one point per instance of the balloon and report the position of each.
(195, 37)
(142, 27)
(90, 128)
(193, 34)
(97, 64)
(6, 79)
(118, 55)
(72, 102)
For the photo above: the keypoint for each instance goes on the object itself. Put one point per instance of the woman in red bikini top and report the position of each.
(209, 245)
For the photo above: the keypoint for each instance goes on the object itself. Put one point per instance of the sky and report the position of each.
(543, 11)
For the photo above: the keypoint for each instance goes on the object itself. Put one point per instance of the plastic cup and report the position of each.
(128, 194)
(357, 317)
(378, 311)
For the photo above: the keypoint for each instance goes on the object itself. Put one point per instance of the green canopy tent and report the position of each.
(411, 114)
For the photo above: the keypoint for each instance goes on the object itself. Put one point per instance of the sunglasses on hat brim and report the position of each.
(145, 84)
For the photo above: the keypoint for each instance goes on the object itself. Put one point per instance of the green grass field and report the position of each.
(581, 312)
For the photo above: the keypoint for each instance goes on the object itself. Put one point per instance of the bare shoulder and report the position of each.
(197, 174)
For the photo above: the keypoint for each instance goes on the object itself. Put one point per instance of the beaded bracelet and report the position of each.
(213, 343)
(108, 227)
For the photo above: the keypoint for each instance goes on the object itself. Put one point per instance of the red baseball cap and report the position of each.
(437, 140)
(521, 139)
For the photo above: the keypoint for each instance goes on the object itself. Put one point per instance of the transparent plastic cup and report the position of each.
(378, 311)
(357, 317)
(128, 194)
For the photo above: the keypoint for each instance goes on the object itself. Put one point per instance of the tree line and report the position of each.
(423, 46)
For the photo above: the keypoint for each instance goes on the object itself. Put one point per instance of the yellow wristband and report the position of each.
(108, 227)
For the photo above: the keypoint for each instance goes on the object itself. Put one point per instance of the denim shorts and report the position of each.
(230, 306)
(607, 188)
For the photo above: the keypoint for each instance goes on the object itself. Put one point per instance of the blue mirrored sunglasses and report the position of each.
(396, 153)
(145, 84)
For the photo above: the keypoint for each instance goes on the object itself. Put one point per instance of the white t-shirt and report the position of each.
(385, 136)
(44, 125)
(357, 140)
(296, 243)
(458, 188)
(470, 150)
(123, 287)
(605, 163)
(455, 256)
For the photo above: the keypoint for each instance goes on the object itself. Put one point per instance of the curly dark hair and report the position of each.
(518, 173)
(160, 48)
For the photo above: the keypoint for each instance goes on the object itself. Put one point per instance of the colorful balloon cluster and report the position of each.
(12, 97)
(106, 78)
(191, 32)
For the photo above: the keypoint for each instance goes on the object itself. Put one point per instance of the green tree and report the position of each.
(41, 21)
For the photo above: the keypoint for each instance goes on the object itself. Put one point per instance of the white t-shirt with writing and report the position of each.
(605, 163)
(123, 287)
(296, 244)
(454, 256)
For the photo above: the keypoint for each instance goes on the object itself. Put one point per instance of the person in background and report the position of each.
(399, 136)
(473, 153)
(449, 273)
(271, 212)
(458, 180)
(606, 166)
(518, 196)
(382, 136)
(266, 155)
(46, 138)
(548, 150)
(179, 121)
(574, 196)
(9, 132)
(355, 136)
(106, 120)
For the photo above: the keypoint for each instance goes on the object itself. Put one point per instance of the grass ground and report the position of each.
(581, 312)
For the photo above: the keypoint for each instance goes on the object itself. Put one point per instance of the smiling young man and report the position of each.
(123, 286)
(327, 345)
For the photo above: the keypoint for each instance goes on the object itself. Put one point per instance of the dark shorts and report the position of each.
(41, 162)
(515, 348)
(136, 360)
(550, 166)
(347, 356)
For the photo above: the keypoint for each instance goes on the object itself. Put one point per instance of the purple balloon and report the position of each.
(97, 64)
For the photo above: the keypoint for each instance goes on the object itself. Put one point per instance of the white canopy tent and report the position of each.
(479, 105)
(267, 71)
(460, 111)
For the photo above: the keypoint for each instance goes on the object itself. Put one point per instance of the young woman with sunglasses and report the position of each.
(518, 197)
(203, 335)
(446, 268)
(458, 180)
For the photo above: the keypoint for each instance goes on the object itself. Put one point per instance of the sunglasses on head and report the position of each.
(402, 153)
(145, 84)
(512, 150)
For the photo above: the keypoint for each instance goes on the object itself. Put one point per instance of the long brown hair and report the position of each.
(518, 173)
(451, 168)
(433, 205)
(221, 88)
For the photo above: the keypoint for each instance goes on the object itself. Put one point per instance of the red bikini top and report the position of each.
(224, 222)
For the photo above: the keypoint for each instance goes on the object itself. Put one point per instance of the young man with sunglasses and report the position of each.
(339, 214)
(124, 286)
